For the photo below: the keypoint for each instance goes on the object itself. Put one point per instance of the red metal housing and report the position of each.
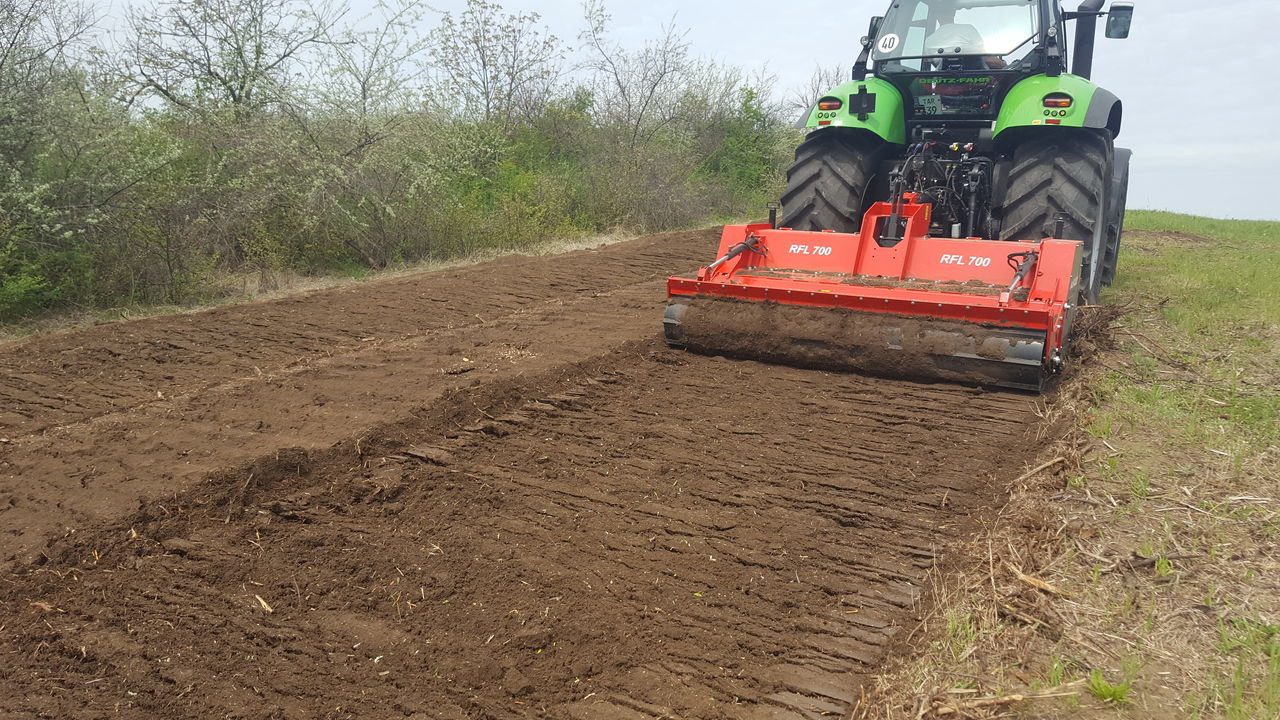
(969, 280)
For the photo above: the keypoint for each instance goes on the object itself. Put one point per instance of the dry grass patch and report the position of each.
(1137, 575)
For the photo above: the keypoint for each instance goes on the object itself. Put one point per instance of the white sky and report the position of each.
(1195, 78)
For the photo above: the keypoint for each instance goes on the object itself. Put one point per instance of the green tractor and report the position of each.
(970, 104)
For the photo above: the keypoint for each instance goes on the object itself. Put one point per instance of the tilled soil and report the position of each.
(94, 419)
(479, 493)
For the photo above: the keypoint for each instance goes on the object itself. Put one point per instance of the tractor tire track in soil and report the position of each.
(96, 419)
(586, 525)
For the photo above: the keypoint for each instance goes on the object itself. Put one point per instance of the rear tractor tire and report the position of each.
(1062, 176)
(1115, 225)
(827, 184)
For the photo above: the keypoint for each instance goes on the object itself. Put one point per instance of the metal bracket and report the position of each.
(1060, 224)
(862, 104)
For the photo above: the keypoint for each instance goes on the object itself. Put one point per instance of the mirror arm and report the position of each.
(860, 67)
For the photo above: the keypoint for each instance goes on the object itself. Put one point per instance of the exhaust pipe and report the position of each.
(1086, 34)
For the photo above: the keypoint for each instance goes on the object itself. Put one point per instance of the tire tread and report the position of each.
(826, 183)
(1060, 173)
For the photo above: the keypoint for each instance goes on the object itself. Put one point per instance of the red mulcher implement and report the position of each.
(889, 300)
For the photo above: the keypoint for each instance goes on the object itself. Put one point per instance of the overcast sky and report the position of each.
(1195, 77)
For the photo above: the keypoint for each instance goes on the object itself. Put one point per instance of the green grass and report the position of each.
(1228, 284)
(962, 635)
(1167, 521)
(1193, 399)
(1114, 693)
(1252, 688)
(1210, 379)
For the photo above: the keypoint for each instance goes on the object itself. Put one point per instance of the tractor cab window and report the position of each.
(956, 35)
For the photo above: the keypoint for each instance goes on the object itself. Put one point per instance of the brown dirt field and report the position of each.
(479, 493)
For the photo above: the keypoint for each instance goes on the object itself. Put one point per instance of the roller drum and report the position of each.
(870, 343)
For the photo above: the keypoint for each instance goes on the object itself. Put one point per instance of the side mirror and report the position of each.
(1119, 20)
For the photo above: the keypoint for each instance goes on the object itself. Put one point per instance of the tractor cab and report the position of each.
(956, 59)
(961, 35)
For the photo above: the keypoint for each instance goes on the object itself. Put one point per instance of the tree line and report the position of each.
(205, 138)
